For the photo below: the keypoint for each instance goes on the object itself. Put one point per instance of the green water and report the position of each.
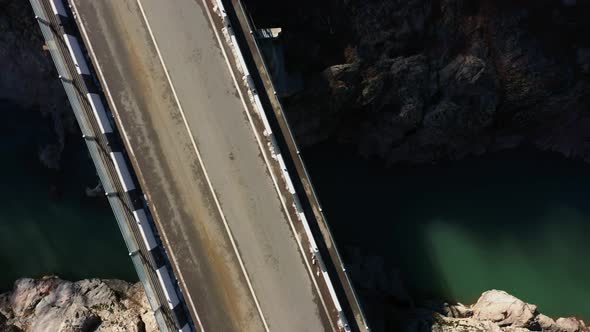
(517, 221)
(47, 224)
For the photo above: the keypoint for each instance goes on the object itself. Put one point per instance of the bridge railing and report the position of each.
(56, 25)
(254, 96)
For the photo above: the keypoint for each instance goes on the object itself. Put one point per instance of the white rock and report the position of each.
(504, 309)
(546, 323)
(569, 324)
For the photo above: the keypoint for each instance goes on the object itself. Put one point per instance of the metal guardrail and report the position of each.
(300, 165)
(108, 157)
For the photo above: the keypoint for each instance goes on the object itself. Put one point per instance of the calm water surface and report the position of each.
(47, 224)
(517, 221)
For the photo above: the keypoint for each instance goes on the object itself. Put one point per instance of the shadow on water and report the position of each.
(515, 220)
(47, 224)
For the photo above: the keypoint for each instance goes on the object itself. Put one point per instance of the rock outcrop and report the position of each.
(421, 80)
(391, 306)
(499, 311)
(55, 305)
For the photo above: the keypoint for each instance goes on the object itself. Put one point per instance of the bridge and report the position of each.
(177, 108)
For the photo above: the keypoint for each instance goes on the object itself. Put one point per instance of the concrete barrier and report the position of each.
(100, 113)
(58, 8)
(122, 171)
(260, 111)
(76, 54)
(144, 227)
(168, 288)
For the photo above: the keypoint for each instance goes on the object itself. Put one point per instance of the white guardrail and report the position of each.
(275, 152)
(166, 281)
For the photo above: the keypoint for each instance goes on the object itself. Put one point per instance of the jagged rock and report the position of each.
(516, 329)
(569, 324)
(546, 323)
(458, 311)
(495, 311)
(5, 327)
(51, 304)
(448, 324)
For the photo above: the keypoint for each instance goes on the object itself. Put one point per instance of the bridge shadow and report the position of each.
(415, 237)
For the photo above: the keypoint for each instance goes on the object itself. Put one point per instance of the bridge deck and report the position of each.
(233, 248)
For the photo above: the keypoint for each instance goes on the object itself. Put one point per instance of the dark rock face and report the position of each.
(421, 80)
(28, 77)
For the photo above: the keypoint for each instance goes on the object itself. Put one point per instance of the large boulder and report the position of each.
(504, 309)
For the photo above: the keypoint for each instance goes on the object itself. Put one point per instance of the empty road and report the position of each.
(196, 155)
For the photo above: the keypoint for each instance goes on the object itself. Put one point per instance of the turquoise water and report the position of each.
(47, 224)
(517, 221)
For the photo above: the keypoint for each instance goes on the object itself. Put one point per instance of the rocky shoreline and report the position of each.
(497, 311)
(55, 305)
(390, 306)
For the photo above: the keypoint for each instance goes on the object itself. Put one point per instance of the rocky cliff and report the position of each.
(54, 305)
(421, 80)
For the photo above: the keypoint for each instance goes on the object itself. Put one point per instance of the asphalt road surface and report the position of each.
(200, 166)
